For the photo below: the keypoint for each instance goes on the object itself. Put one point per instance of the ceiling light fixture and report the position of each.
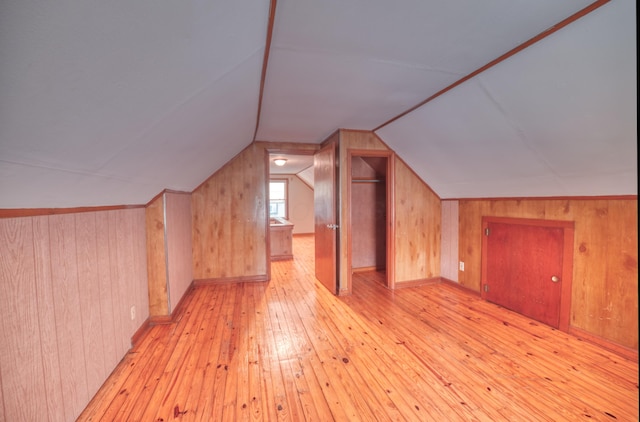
(280, 161)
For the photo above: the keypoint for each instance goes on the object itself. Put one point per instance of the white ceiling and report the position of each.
(294, 165)
(109, 103)
(557, 119)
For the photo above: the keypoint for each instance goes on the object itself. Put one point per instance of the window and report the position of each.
(278, 198)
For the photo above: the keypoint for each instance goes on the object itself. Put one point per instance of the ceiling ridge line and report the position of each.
(265, 62)
(177, 106)
(551, 30)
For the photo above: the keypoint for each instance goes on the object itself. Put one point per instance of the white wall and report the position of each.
(300, 204)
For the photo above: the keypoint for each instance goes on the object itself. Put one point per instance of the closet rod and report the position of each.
(366, 180)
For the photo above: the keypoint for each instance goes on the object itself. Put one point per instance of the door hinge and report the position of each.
(486, 231)
(486, 287)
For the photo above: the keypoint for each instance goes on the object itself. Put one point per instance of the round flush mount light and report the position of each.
(280, 161)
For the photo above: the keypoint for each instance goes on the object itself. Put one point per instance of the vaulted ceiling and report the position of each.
(109, 103)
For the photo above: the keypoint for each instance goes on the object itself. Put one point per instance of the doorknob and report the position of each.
(332, 226)
(555, 279)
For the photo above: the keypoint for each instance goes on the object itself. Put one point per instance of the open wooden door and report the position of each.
(326, 227)
(525, 269)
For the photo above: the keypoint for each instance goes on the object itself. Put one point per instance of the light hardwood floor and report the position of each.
(289, 350)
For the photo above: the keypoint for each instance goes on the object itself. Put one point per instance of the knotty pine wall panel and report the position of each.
(229, 233)
(69, 282)
(605, 266)
(417, 215)
(349, 139)
(418, 223)
(157, 258)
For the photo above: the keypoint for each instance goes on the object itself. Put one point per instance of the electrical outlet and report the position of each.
(133, 312)
(461, 265)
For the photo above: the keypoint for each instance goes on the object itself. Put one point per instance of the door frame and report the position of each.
(390, 214)
(275, 148)
(567, 259)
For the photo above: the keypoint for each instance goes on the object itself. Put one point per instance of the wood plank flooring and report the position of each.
(288, 350)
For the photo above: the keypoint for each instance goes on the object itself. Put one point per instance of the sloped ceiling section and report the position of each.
(356, 64)
(557, 119)
(109, 103)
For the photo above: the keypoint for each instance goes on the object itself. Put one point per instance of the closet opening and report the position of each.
(370, 203)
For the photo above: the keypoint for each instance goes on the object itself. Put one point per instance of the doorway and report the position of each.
(527, 267)
(290, 200)
(370, 225)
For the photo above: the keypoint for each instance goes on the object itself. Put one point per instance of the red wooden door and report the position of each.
(326, 229)
(524, 269)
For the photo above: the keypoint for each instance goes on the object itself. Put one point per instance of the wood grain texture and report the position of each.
(449, 263)
(89, 294)
(326, 206)
(178, 247)
(289, 350)
(368, 225)
(157, 258)
(46, 318)
(66, 297)
(230, 227)
(368, 216)
(68, 283)
(229, 233)
(120, 272)
(107, 290)
(138, 288)
(418, 216)
(20, 325)
(349, 139)
(605, 263)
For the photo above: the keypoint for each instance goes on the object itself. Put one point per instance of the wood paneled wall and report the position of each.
(349, 139)
(449, 242)
(69, 283)
(605, 266)
(229, 233)
(368, 225)
(368, 215)
(417, 215)
(169, 252)
(157, 259)
(418, 224)
(179, 248)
